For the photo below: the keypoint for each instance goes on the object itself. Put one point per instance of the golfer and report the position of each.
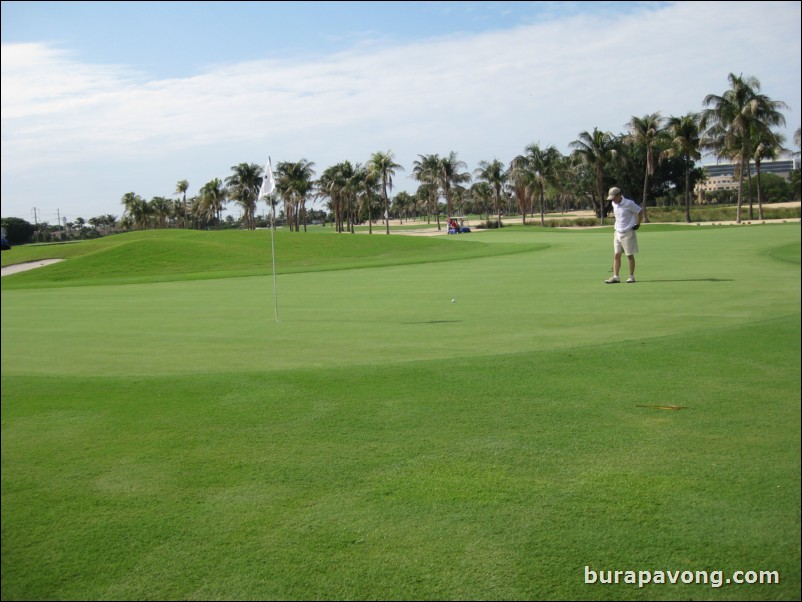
(628, 216)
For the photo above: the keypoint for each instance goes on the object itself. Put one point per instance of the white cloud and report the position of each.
(482, 95)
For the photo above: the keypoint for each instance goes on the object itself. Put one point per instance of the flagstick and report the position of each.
(273, 254)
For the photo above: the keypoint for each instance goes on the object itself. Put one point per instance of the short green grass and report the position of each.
(164, 437)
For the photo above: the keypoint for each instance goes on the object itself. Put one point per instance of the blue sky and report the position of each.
(104, 98)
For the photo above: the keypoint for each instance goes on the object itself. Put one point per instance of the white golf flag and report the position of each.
(268, 182)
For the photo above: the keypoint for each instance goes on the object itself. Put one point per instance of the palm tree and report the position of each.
(213, 197)
(243, 188)
(302, 175)
(160, 209)
(364, 182)
(126, 223)
(336, 184)
(597, 150)
(129, 201)
(733, 119)
(293, 184)
(137, 210)
(566, 183)
(181, 188)
(685, 139)
(328, 186)
(104, 223)
(542, 165)
(284, 191)
(481, 193)
(450, 176)
(347, 175)
(141, 213)
(522, 186)
(494, 174)
(646, 130)
(404, 205)
(323, 188)
(768, 145)
(385, 166)
(426, 170)
(198, 212)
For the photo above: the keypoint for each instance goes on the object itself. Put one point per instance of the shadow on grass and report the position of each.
(434, 322)
(692, 280)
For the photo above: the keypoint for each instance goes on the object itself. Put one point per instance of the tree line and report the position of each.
(655, 158)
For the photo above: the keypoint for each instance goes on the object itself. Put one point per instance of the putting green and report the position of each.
(688, 280)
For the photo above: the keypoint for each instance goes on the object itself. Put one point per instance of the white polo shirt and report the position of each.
(626, 214)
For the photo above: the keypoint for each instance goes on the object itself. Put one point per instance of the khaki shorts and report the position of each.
(626, 242)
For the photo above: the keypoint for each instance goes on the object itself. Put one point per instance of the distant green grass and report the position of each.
(713, 213)
(170, 440)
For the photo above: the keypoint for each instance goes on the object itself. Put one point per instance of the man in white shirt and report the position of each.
(628, 216)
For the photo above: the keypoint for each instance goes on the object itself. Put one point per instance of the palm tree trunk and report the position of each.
(386, 204)
(542, 210)
(687, 192)
(351, 215)
(740, 193)
(645, 196)
(749, 192)
(600, 190)
(759, 194)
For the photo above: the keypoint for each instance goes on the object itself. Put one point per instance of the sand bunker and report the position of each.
(28, 265)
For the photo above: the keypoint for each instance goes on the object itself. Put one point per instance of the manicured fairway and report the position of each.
(163, 437)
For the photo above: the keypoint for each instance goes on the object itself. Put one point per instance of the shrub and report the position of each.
(489, 224)
(17, 230)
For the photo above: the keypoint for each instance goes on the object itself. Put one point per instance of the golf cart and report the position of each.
(457, 226)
